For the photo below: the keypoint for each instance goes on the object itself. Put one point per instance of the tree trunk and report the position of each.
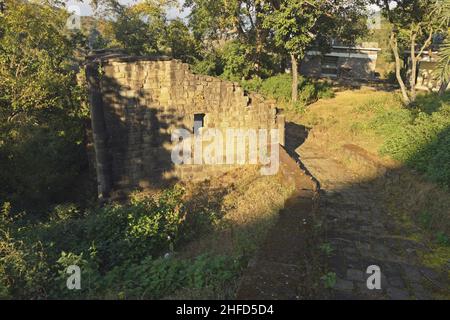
(443, 87)
(413, 75)
(394, 47)
(294, 63)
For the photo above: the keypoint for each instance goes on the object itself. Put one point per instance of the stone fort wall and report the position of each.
(137, 102)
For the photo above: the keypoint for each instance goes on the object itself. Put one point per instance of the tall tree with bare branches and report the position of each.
(414, 24)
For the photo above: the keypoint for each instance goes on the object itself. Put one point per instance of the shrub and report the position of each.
(252, 85)
(279, 87)
(442, 239)
(23, 269)
(117, 248)
(419, 136)
(155, 279)
(324, 90)
(65, 212)
(211, 65)
(307, 94)
(91, 281)
(123, 232)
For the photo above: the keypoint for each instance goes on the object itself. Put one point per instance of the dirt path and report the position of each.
(281, 270)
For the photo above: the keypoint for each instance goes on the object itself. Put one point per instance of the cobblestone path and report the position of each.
(362, 233)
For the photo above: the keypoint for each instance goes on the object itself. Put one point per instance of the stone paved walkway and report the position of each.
(362, 233)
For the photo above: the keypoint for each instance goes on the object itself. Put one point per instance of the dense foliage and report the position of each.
(279, 88)
(49, 218)
(41, 114)
(117, 247)
(419, 136)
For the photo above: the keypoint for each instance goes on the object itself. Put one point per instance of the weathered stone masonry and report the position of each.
(137, 102)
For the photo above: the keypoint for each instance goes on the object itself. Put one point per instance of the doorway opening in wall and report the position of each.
(199, 122)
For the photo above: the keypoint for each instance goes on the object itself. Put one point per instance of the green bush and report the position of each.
(24, 271)
(307, 94)
(119, 232)
(442, 239)
(150, 278)
(252, 85)
(65, 212)
(155, 279)
(117, 247)
(279, 87)
(324, 90)
(419, 136)
(210, 65)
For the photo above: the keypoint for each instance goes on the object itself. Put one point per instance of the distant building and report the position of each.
(360, 63)
(427, 77)
(352, 62)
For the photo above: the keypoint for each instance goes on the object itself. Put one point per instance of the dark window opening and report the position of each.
(199, 122)
(329, 66)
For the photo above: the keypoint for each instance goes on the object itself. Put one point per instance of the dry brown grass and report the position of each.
(344, 119)
(248, 204)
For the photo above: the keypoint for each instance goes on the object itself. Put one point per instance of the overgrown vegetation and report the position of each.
(144, 249)
(118, 247)
(42, 116)
(278, 88)
(180, 243)
(417, 136)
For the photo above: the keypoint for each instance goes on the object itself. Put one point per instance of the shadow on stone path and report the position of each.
(280, 271)
(362, 233)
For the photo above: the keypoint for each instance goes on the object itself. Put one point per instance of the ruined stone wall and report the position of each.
(137, 103)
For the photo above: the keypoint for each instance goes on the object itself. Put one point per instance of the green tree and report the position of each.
(444, 56)
(181, 42)
(41, 115)
(217, 22)
(414, 24)
(138, 28)
(297, 24)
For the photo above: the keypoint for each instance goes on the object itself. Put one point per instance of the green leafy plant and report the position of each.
(417, 137)
(327, 249)
(329, 280)
(442, 239)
